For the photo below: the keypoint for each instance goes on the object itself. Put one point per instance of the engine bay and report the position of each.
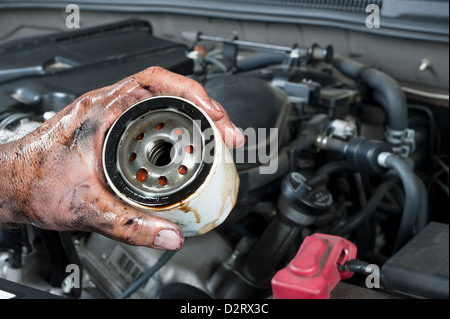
(333, 147)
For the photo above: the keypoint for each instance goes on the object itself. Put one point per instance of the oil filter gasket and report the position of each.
(165, 157)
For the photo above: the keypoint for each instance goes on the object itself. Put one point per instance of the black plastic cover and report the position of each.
(254, 104)
(46, 73)
(421, 267)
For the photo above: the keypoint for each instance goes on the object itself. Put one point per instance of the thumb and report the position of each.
(123, 223)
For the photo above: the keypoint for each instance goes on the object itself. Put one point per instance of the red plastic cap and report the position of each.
(313, 273)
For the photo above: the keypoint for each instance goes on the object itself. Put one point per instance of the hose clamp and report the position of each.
(402, 141)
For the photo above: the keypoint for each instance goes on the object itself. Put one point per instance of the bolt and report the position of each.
(425, 64)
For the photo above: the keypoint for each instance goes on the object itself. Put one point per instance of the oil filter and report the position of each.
(165, 157)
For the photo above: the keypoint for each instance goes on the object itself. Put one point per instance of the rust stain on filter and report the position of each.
(185, 208)
(229, 191)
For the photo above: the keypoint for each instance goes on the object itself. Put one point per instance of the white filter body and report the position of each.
(211, 202)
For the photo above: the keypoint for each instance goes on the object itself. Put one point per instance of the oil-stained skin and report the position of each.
(53, 177)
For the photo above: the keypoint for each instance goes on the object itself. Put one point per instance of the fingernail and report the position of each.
(168, 239)
(240, 138)
(216, 106)
(234, 137)
(240, 141)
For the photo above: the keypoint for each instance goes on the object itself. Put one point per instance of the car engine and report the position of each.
(339, 162)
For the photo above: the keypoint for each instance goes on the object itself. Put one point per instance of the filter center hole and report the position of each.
(159, 154)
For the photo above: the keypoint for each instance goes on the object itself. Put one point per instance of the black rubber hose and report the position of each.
(389, 93)
(269, 250)
(335, 167)
(422, 218)
(147, 275)
(356, 220)
(416, 200)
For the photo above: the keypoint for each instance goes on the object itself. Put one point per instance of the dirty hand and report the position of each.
(53, 177)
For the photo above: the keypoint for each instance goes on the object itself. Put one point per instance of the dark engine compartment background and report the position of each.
(45, 73)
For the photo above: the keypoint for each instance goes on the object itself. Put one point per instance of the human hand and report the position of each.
(53, 177)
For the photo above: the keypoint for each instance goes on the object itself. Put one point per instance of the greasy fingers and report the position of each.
(232, 136)
(163, 82)
(127, 225)
(156, 81)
